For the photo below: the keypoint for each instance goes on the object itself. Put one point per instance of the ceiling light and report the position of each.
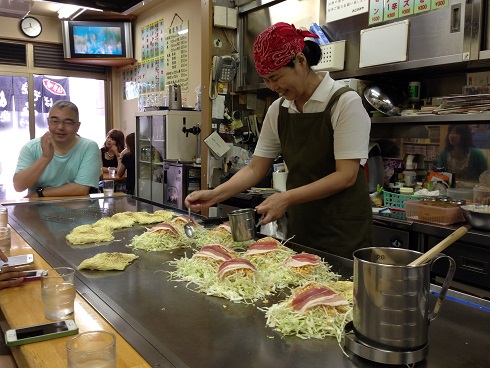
(66, 11)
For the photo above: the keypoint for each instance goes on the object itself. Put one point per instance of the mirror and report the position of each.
(463, 150)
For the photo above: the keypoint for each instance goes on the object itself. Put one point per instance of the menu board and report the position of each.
(177, 55)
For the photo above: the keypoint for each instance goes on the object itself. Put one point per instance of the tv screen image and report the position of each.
(97, 40)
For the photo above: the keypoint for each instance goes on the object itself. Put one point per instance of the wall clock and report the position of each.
(31, 27)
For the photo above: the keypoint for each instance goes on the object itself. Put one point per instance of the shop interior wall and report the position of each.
(188, 10)
(51, 30)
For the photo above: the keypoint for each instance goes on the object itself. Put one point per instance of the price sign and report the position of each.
(406, 7)
(177, 55)
(422, 6)
(376, 11)
(391, 10)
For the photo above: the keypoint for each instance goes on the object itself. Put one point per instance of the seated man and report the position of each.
(60, 163)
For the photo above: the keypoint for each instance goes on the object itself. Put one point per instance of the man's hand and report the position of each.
(47, 145)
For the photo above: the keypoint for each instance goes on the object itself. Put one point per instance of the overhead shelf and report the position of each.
(432, 118)
(117, 62)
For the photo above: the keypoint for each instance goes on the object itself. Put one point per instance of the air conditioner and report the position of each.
(15, 8)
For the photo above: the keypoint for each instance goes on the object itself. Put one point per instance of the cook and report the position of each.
(322, 131)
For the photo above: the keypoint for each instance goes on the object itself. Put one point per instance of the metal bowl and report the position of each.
(378, 99)
(477, 219)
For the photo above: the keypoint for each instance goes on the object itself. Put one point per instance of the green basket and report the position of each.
(397, 201)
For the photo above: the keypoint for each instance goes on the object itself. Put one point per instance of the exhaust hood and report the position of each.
(116, 6)
(15, 8)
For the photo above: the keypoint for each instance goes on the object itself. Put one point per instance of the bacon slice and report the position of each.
(213, 252)
(163, 227)
(262, 247)
(302, 259)
(233, 265)
(318, 295)
(182, 220)
(224, 226)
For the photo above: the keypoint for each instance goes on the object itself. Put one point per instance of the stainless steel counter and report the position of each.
(171, 326)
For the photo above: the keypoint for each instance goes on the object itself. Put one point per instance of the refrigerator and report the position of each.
(162, 137)
(181, 178)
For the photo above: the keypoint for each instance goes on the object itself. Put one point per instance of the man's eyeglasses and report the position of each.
(66, 122)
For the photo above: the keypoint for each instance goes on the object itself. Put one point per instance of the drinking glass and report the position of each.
(58, 293)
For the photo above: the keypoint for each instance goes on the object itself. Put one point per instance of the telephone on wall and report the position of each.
(224, 68)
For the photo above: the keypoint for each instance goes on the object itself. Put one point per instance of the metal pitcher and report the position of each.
(174, 97)
(391, 299)
(242, 224)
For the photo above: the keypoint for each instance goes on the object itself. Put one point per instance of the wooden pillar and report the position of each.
(206, 103)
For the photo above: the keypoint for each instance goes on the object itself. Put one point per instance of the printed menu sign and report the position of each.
(177, 55)
(340, 9)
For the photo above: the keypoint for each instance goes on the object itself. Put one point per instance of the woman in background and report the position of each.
(111, 151)
(460, 157)
(126, 164)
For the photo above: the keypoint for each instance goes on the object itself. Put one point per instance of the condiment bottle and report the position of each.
(409, 175)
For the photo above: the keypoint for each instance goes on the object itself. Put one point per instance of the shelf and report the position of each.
(117, 62)
(432, 119)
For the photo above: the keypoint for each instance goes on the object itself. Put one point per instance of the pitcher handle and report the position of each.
(445, 285)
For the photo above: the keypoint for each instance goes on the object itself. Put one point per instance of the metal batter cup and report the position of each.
(242, 224)
(391, 299)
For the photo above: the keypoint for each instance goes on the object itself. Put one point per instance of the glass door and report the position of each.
(150, 152)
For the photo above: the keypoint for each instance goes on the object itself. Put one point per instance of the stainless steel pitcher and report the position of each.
(174, 97)
(242, 224)
(391, 299)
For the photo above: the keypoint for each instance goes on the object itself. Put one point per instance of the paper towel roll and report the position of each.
(279, 181)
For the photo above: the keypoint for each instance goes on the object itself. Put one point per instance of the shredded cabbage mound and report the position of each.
(157, 242)
(241, 286)
(285, 276)
(317, 322)
(222, 237)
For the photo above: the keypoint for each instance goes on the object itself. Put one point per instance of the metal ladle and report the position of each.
(188, 229)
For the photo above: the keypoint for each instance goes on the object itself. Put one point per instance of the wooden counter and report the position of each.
(22, 306)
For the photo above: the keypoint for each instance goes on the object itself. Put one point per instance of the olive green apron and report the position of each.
(338, 224)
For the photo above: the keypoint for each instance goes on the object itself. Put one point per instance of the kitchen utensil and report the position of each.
(378, 99)
(443, 244)
(174, 97)
(188, 229)
(476, 217)
(391, 304)
(242, 224)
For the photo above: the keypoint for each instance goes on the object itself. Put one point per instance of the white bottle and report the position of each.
(409, 175)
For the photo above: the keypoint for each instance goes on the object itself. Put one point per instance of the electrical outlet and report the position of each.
(217, 43)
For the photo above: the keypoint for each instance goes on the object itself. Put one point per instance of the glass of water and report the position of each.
(5, 241)
(58, 293)
(92, 349)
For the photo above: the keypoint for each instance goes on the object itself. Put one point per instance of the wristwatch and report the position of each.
(39, 191)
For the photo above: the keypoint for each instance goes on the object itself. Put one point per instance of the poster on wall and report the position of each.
(152, 40)
(340, 9)
(177, 55)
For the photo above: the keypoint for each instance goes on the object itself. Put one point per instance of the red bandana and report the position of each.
(277, 45)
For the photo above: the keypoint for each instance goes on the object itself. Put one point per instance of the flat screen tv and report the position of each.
(97, 39)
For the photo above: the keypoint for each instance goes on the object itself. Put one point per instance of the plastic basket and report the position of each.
(333, 55)
(397, 201)
(422, 211)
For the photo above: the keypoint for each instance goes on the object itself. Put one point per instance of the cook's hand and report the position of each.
(200, 199)
(47, 145)
(273, 208)
(10, 277)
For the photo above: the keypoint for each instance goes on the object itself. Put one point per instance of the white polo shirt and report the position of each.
(350, 122)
